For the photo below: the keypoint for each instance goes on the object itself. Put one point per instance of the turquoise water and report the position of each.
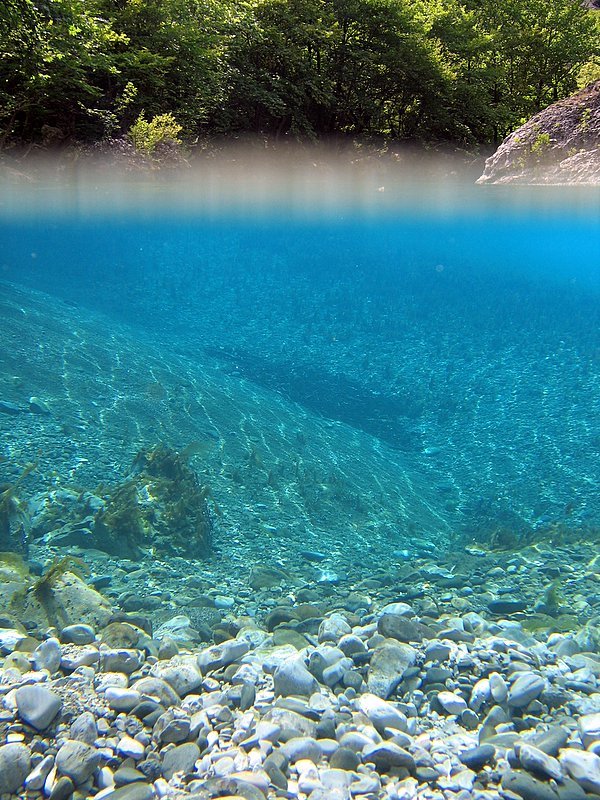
(457, 326)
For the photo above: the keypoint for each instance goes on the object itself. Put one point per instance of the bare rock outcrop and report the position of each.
(560, 145)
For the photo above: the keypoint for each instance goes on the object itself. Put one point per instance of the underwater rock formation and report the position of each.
(160, 507)
(559, 145)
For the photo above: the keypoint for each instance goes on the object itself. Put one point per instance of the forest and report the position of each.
(464, 72)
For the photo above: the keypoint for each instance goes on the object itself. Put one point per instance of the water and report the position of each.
(433, 346)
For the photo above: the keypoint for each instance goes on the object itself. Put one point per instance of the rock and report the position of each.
(63, 789)
(155, 687)
(6, 407)
(477, 757)
(126, 661)
(396, 626)
(451, 703)
(302, 747)
(589, 727)
(526, 688)
(344, 758)
(498, 688)
(120, 699)
(527, 787)
(72, 602)
(583, 767)
(37, 777)
(506, 606)
(180, 672)
(551, 740)
(180, 630)
(84, 728)
(15, 761)
(180, 759)
(37, 705)
(130, 748)
(171, 726)
(558, 145)
(77, 760)
(78, 634)
(388, 664)
(291, 677)
(221, 655)
(47, 655)
(388, 755)
(333, 628)
(381, 714)
(133, 791)
(534, 760)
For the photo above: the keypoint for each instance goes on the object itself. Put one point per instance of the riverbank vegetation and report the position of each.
(432, 71)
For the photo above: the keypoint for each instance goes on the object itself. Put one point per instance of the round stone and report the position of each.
(15, 760)
(451, 703)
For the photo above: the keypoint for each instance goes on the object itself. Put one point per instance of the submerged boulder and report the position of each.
(559, 145)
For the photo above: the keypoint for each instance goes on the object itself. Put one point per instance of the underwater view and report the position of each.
(299, 485)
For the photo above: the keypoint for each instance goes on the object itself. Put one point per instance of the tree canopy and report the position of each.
(464, 71)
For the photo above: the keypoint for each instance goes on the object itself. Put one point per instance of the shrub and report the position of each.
(149, 135)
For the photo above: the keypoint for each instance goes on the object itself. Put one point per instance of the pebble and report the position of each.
(451, 702)
(538, 762)
(15, 761)
(180, 758)
(48, 655)
(78, 634)
(292, 677)
(37, 706)
(77, 760)
(583, 767)
(527, 687)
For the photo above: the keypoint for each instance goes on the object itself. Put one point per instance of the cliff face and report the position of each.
(561, 144)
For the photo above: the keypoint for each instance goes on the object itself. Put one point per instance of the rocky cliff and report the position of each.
(559, 145)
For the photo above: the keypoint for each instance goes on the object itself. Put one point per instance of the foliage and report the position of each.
(148, 136)
(466, 71)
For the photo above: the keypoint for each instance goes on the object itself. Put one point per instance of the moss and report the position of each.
(43, 586)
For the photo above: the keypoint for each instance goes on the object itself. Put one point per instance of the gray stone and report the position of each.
(172, 726)
(63, 789)
(155, 687)
(526, 786)
(395, 626)
(180, 759)
(381, 713)
(538, 762)
(302, 747)
(323, 657)
(77, 760)
(84, 728)
(222, 655)
(527, 687)
(37, 705)
(498, 687)
(15, 761)
(133, 791)
(333, 628)
(589, 727)
(78, 634)
(552, 740)
(583, 767)
(36, 778)
(121, 699)
(477, 757)
(388, 664)
(292, 678)
(352, 645)
(126, 661)
(47, 655)
(180, 672)
(451, 703)
(388, 755)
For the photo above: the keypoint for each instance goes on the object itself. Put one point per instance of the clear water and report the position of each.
(451, 331)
